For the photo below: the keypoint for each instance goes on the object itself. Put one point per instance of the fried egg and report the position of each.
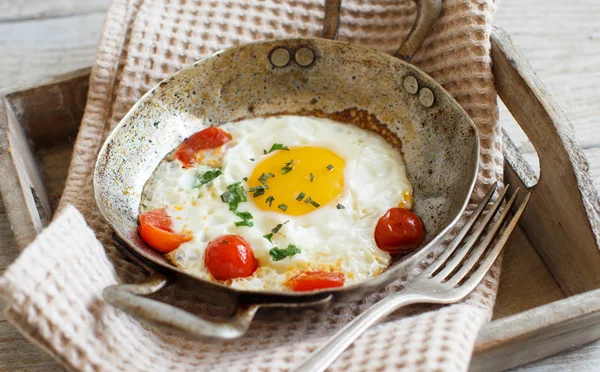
(311, 183)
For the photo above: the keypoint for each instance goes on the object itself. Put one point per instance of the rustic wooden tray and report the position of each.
(549, 296)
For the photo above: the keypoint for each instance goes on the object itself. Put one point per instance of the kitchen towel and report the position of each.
(54, 290)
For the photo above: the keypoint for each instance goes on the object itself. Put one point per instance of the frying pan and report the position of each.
(303, 76)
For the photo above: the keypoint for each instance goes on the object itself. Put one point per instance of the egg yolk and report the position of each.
(297, 181)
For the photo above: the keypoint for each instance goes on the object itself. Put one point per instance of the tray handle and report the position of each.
(563, 220)
(428, 11)
(128, 297)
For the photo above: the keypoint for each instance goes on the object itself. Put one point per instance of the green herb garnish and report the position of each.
(288, 167)
(245, 178)
(258, 190)
(269, 200)
(330, 167)
(252, 159)
(234, 195)
(312, 177)
(315, 204)
(278, 254)
(301, 196)
(207, 177)
(308, 200)
(283, 207)
(277, 146)
(339, 206)
(276, 229)
(264, 177)
(246, 219)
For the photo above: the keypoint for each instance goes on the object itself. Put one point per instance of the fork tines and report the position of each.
(469, 259)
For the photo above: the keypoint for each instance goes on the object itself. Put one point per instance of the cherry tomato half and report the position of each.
(229, 257)
(208, 138)
(399, 231)
(156, 230)
(313, 280)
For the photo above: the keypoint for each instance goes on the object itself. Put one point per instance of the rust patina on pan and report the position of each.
(305, 76)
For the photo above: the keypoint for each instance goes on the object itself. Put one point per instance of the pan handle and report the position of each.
(428, 11)
(128, 297)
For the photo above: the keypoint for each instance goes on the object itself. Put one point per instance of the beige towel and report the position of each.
(53, 291)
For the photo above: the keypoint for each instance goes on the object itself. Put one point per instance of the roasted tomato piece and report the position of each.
(209, 138)
(230, 257)
(156, 230)
(399, 231)
(313, 280)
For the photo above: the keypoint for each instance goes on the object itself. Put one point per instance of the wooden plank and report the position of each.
(525, 282)
(585, 359)
(61, 99)
(31, 115)
(30, 50)
(561, 40)
(19, 176)
(568, 246)
(538, 333)
(15, 10)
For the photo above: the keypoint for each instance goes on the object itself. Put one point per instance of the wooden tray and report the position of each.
(549, 296)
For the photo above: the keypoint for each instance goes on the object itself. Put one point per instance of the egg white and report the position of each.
(330, 239)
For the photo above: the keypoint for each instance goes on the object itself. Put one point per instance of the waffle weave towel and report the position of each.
(53, 291)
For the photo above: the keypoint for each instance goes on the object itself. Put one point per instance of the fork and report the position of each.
(449, 279)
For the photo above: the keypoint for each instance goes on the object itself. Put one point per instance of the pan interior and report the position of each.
(346, 83)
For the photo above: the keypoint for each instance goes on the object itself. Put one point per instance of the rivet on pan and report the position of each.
(411, 85)
(304, 56)
(280, 57)
(426, 97)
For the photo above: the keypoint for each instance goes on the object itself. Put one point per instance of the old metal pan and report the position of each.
(305, 76)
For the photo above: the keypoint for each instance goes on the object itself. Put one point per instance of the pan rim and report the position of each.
(371, 284)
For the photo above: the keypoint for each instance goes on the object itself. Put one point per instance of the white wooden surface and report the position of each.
(40, 38)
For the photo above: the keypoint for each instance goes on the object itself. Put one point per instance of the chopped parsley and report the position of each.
(264, 177)
(252, 159)
(339, 206)
(246, 219)
(288, 167)
(245, 178)
(258, 190)
(308, 200)
(269, 200)
(283, 207)
(315, 204)
(277, 146)
(312, 177)
(274, 230)
(207, 177)
(234, 195)
(301, 196)
(330, 167)
(278, 254)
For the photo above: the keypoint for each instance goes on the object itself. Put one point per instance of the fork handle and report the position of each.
(321, 358)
